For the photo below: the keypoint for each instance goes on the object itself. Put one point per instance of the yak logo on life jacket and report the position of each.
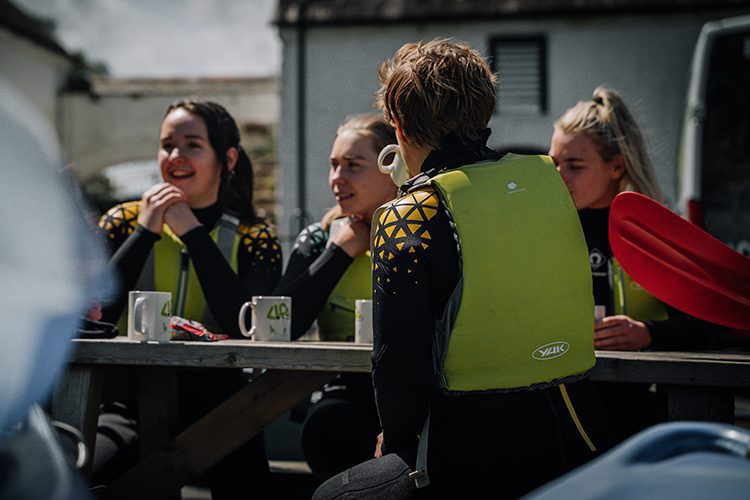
(551, 350)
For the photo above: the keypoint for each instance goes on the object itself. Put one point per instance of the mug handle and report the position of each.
(241, 319)
(397, 168)
(138, 325)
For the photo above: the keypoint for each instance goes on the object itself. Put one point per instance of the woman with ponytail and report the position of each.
(327, 271)
(599, 151)
(201, 221)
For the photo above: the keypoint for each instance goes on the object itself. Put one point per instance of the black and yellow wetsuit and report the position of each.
(312, 273)
(224, 289)
(341, 424)
(493, 444)
(258, 261)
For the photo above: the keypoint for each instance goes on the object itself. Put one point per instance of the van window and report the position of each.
(725, 163)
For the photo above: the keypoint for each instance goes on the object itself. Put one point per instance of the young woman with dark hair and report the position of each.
(196, 235)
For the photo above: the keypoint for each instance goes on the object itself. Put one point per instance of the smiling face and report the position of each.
(359, 187)
(591, 181)
(186, 158)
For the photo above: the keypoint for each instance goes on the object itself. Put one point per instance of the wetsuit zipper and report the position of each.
(182, 283)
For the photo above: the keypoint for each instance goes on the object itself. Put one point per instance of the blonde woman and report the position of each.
(599, 151)
(327, 271)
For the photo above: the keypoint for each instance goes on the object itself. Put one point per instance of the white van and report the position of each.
(714, 163)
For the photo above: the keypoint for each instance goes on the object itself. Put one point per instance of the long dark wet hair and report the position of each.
(235, 187)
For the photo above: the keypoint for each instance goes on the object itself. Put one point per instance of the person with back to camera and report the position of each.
(481, 301)
(325, 274)
(599, 151)
(198, 228)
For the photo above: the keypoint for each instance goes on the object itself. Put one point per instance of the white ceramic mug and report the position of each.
(599, 312)
(271, 318)
(149, 314)
(363, 321)
(397, 168)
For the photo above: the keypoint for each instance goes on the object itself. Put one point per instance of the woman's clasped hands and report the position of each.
(165, 203)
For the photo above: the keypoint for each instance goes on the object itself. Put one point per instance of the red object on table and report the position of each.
(679, 263)
(186, 329)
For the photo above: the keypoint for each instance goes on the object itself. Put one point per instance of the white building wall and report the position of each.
(36, 72)
(645, 59)
(110, 129)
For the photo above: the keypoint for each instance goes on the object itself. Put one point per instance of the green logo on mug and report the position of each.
(278, 311)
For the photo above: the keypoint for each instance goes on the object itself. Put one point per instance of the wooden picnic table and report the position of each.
(701, 386)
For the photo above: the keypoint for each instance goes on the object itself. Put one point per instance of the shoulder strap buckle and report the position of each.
(420, 477)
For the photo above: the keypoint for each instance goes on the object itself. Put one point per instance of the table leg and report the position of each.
(75, 401)
(157, 407)
(220, 432)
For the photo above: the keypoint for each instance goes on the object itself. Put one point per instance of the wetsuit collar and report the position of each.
(596, 216)
(208, 215)
(453, 153)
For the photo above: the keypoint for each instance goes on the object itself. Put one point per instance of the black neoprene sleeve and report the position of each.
(311, 274)
(224, 290)
(128, 260)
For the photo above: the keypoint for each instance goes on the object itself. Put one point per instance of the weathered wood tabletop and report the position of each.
(716, 369)
(701, 387)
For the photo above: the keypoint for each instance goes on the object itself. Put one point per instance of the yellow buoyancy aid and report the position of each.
(169, 269)
(522, 314)
(336, 319)
(631, 299)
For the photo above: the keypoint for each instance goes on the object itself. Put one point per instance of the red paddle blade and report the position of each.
(679, 263)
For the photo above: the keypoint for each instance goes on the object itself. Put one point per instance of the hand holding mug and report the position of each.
(599, 312)
(621, 333)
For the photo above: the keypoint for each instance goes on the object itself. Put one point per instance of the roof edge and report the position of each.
(288, 11)
(24, 25)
